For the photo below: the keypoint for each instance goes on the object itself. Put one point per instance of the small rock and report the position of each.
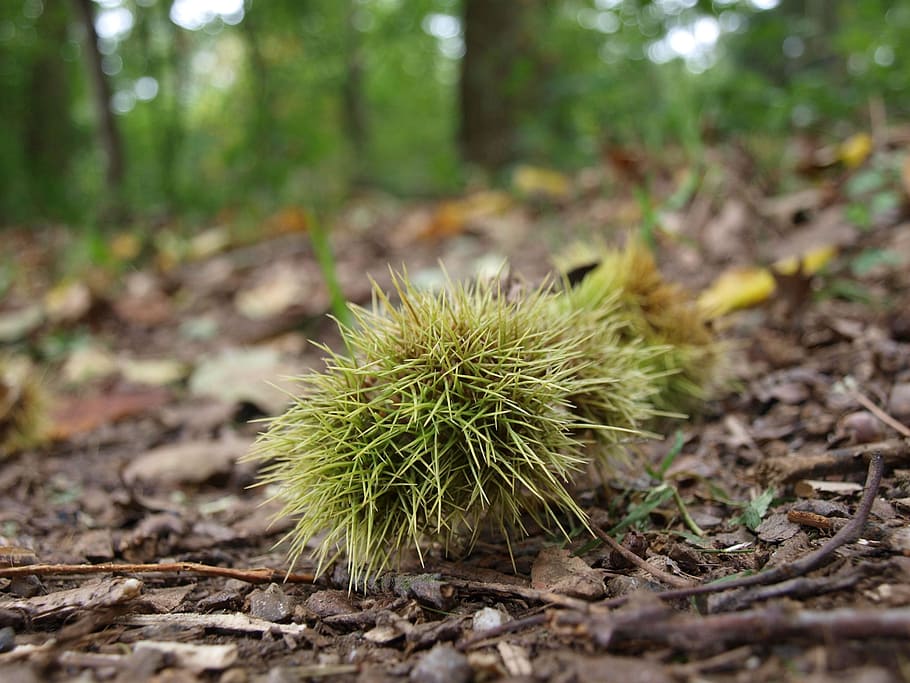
(7, 639)
(899, 401)
(270, 604)
(328, 603)
(488, 618)
(442, 664)
(860, 427)
(776, 528)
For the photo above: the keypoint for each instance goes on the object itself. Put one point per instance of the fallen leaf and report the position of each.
(86, 363)
(75, 415)
(258, 376)
(155, 372)
(67, 302)
(455, 216)
(279, 290)
(19, 323)
(855, 150)
(193, 462)
(533, 181)
(809, 263)
(288, 220)
(557, 570)
(736, 288)
(209, 242)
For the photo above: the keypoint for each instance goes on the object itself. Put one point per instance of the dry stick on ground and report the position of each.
(256, 575)
(659, 574)
(791, 468)
(777, 575)
(755, 626)
(802, 566)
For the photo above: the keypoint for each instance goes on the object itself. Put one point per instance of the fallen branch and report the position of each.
(792, 468)
(771, 624)
(256, 575)
(504, 590)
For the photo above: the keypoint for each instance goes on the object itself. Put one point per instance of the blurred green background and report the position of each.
(126, 110)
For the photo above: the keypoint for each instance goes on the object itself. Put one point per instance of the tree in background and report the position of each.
(108, 129)
(196, 107)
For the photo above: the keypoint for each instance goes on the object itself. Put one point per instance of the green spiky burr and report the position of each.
(626, 292)
(448, 410)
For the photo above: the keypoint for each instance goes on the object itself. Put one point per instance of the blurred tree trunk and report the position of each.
(496, 72)
(263, 128)
(47, 128)
(108, 131)
(167, 63)
(355, 122)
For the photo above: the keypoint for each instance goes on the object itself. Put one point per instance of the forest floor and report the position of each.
(797, 482)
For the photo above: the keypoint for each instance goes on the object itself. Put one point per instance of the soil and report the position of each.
(154, 375)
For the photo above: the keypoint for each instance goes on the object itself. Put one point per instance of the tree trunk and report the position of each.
(108, 131)
(47, 129)
(495, 71)
(355, 124)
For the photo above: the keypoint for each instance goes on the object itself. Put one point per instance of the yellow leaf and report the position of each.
(812, 261)
(67, 301)
(541, 182)
(737, 288)
(452, 217)
(855, 150)
(125, 246)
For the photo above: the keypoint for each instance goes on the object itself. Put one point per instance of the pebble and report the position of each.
(899, 401)
(488, 618)
(442, 664)
(270, 604)
(7, 639)
(860, 427)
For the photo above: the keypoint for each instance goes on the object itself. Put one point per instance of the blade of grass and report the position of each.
(328, 266)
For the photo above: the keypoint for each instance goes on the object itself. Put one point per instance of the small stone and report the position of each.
(328, 603)
(442, 664)
(488, 618)
(7, 639)
(899, 401)
(860, 427)
(270, 604)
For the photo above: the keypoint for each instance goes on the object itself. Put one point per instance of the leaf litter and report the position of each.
(766, 477)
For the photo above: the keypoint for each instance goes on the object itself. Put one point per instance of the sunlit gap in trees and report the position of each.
(114, 21)
(687, 36)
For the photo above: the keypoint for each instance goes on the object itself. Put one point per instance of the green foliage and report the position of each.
(296, 102)
(755, 511)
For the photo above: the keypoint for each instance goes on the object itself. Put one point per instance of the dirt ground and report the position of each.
(794, 485)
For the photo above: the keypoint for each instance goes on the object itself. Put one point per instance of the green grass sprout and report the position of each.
(450, 410)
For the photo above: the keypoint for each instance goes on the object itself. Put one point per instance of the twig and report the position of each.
(513, 591)
(850, 532)
(659, 574)
(771, 624)
(256, 575)
(868, 404)
(792, 468)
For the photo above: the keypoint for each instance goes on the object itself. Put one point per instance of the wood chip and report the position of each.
(197, 658)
